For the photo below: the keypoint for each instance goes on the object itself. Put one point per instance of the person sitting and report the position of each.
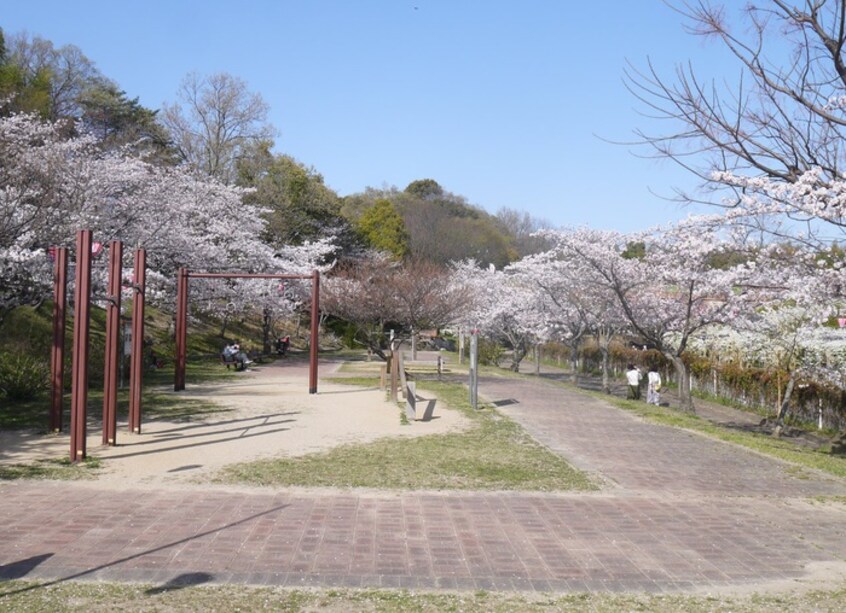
(282, 345)
(240, 356)
(232, 354)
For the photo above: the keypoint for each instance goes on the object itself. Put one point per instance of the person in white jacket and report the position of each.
(653, 387)
(633, 377)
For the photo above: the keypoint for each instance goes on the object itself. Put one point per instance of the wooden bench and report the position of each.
(229, 360)
(411, 400)
(425, 366)
(257, 357)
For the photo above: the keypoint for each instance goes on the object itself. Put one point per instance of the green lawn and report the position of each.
(101, 597)
(494, 454)
(51, 469)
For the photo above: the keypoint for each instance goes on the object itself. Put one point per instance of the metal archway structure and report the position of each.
(81, 341)
(181, 328)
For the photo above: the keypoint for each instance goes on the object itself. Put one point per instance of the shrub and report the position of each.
(23, 377)
(490, 352)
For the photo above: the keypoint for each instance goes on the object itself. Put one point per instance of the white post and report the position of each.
(474, 374)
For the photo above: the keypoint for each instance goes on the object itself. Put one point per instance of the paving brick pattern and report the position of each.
(639, 456)
(679, 512)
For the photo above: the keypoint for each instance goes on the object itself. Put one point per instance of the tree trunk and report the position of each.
(520, 351)
(413, 344)
(685, 397)
(606, 380)
(267, 323)
(574, 363)
(461, 345)
(785, 405)
(378, 351)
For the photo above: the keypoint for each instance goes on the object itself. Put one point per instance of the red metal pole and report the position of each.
(81, 324)
(315, 329)
(57, 353)
(181, 328)
(136, 368)
(245, 275)
(110, 369)
(181, 318)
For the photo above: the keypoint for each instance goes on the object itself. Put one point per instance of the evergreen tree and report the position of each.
(383, 228)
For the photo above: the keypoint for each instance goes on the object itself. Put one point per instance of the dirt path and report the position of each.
(270, 413)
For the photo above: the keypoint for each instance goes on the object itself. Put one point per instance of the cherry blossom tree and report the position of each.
(52, 185)
(580, 303)
(358, 293)
(505, 305)
(779, 111)
(551, 276)
(672, 293)
(374, 292)
(786, 330)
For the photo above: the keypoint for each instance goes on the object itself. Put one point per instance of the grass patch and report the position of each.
(199, 370)
(26, 414)
(157, 405)
(35, 414)
(51, 469)
(29, 330)
(362, 381)
(101, 597)
(494, 454)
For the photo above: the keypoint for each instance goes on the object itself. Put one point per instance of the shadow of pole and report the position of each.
(21, 568)
(137, 555)
(181, 581)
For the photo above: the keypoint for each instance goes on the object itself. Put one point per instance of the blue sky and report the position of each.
(504, 103)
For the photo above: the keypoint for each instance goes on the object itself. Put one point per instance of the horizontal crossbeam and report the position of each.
(244, 275)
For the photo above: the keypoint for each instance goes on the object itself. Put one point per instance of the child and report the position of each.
(653, 379)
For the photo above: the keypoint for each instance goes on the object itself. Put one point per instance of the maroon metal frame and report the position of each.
(110, 377)
(315, 332)
(81, 328)
(181, 328)
(57, 352)
(136, 365)
(181, 323)
(81, 342)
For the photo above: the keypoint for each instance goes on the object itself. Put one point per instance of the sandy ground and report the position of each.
(271, 414)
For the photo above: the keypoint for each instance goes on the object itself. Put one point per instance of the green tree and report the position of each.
(20, 92)
(441, 226)
(426, 189)
(384, 229)
(52, 79)
(120, 121)
(635, 250)
(300, 207)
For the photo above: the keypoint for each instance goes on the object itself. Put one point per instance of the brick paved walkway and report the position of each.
(679, 512)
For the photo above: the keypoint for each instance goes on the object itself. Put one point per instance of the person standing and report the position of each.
(633, 377)
(653, 386)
